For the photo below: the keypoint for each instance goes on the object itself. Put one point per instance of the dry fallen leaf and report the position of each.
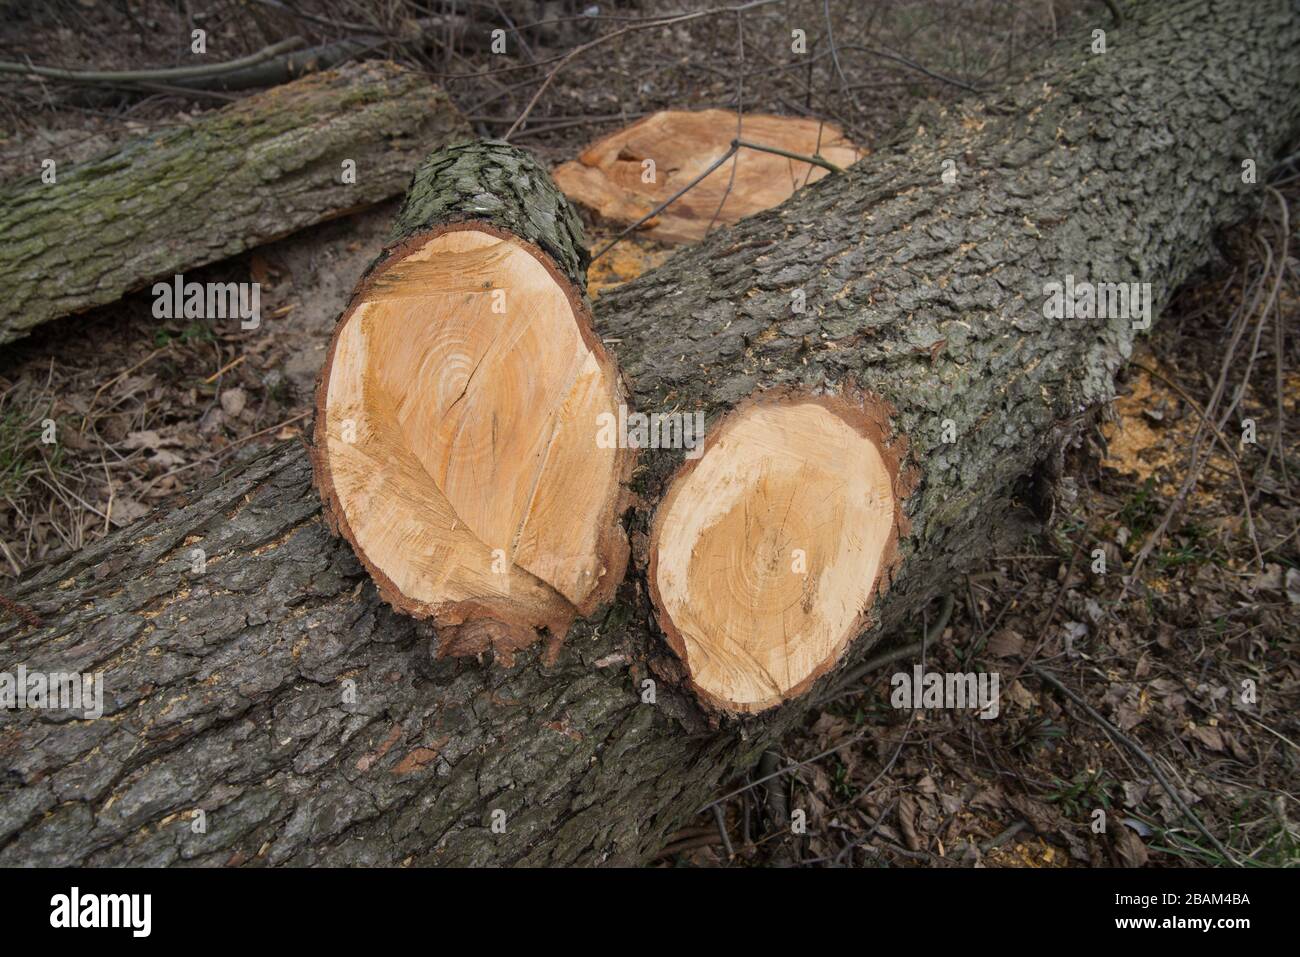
(1210, 737)
(1005, 643)
(1130, 847)
(233, 402)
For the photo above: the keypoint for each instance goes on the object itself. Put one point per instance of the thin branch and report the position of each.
(731, 151)
(146, 76)
(1137, 749)
(740, 121)
(931, 634)
(666, 203)
(1240, 322)
(801, 157)
(898, 654)
(835, 58)
(911, 64)
(722, 830)
(1231, 452)
(576, 51)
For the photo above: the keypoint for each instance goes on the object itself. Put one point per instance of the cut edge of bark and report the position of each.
(867, 414)
(467, 628)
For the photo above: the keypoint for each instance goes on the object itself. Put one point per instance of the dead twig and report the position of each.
(224, 369)
(666, 203)
(736, 145)
(118, 378)
(740, 119)
(583, 48)
(1232, 455)
(1240, 323)
(224, 450)
(151, 76)
(898, 654)
(835, 58)
(722, 830)
(801, 157)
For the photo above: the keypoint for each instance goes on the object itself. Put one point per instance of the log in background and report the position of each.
(235, 178)
(225, 690)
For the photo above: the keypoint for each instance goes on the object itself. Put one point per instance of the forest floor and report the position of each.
(1190, 661)
(1181, 654)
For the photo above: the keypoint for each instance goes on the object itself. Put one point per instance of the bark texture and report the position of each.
(250, 173)
(502, 186)
(226, 691)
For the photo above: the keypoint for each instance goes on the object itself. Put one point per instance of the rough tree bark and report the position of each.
(226, 690)
(250, 173)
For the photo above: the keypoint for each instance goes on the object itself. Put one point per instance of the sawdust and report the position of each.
(631, 257)
(1035, 854)
(1152, 430)
(1133, 445)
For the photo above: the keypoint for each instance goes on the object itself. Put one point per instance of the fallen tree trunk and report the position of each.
(244, 175)
(264, 682)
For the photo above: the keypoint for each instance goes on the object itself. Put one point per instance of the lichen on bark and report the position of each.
(235, 178)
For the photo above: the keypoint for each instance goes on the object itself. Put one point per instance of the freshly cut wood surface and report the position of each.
(768, 549)
(456, 439)
(609, 175)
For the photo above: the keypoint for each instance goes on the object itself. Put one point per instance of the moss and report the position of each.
(252, 172)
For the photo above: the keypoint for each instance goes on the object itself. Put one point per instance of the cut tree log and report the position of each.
(252, 172)
(270, 686)
(766, 552)
(455, 426)
(611, 176)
